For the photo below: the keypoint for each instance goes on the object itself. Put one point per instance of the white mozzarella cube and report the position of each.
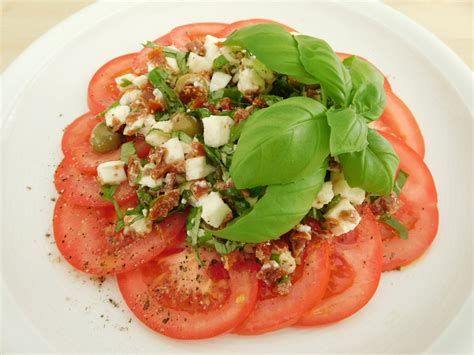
(217, 130)
(165, 126)
(140, 226)
(187, 148)
(111, 172)
(156, 137)
(344, 217)
(250, 82)
(219, 81)
(198, 64)
(303, 228)
(325, 195)
(341, 187)
(174, 151)
(140, 81)
(116, 116)
(287, 262)
(134, 127)
(124, 82)
(214, 209)
(197, 168)
(147, 124)
(212, 50)
(158, 94)
(130, 96)
(173, 64)
(148, 181)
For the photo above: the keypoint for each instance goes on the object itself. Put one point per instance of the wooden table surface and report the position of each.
(24, 21)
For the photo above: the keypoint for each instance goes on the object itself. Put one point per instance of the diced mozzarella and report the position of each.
(324, 196)
(212, 51)
(115, 117)
(130, 96)
(219, 81)
(140, 81)
(197, 168)
(303, 228)
(123, 80)
(111, 172)
(133, 128)
(250, 82)
(187, 148)
(287, 261)
(173, 64)
(227, 52)
(344, 217)
(217, 130)
(148, 124)
(156, 137)
(174, 151)
(158, 94)
(165, 126)
(141, 226)
(214, 209)
(198, 64)
(148, 181)
(341, 187)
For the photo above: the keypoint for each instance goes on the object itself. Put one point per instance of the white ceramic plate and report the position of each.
(49, 306)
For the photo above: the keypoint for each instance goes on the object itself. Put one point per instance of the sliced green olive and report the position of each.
(186, 123)
(192, 79)
(103, 139)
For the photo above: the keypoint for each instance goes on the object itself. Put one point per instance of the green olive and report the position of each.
(192, 79)
(103, 139)
(186, 123)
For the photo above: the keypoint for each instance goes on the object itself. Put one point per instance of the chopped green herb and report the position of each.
(284, 279)
(107, 192)
(126, 150)
(395, 224)
(158, 78)
(192, 225)
(219, 62)
(400, 182)
(125, 82)
(112, 105)
(275, 257)
(213, 155)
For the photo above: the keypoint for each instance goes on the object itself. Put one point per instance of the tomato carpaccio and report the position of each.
(194, 292)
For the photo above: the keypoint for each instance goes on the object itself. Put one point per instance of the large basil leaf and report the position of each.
(281, 143)
(372, 169)
(279, 210)
(273, 46)
(322, 63)
(368, 96)
(348, 131)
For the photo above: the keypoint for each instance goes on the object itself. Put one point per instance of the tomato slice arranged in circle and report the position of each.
(140, 63)
(102, 90)
(361, 252)
(84, 189)
(419, 211)
(283, 310)
(176, 296)
(181, 35)
(386, 83)
(401, 122)
(250, 22)
(85, 237)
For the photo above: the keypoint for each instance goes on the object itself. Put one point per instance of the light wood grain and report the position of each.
(24, 21)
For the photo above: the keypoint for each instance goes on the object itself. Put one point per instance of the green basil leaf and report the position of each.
(400, 182)
(219, 62)
(322, 63)
(158, 78)
(274, 46)
(396, 224)
(281, 143)
(348, 131)
(227, 247)
(279, 210)
(126, 150)
(368, 96)
(192, 225)
(372, 169)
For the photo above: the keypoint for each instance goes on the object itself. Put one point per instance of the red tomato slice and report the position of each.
(85, 237)
(77, 148)
(83, 189)
(281, 311)
(194, 32)
(103, 91)
(177, 297)
(419, 211)
(140, 63)
(244, 23)
(343, 56)
(398, 117)
(361, 251)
